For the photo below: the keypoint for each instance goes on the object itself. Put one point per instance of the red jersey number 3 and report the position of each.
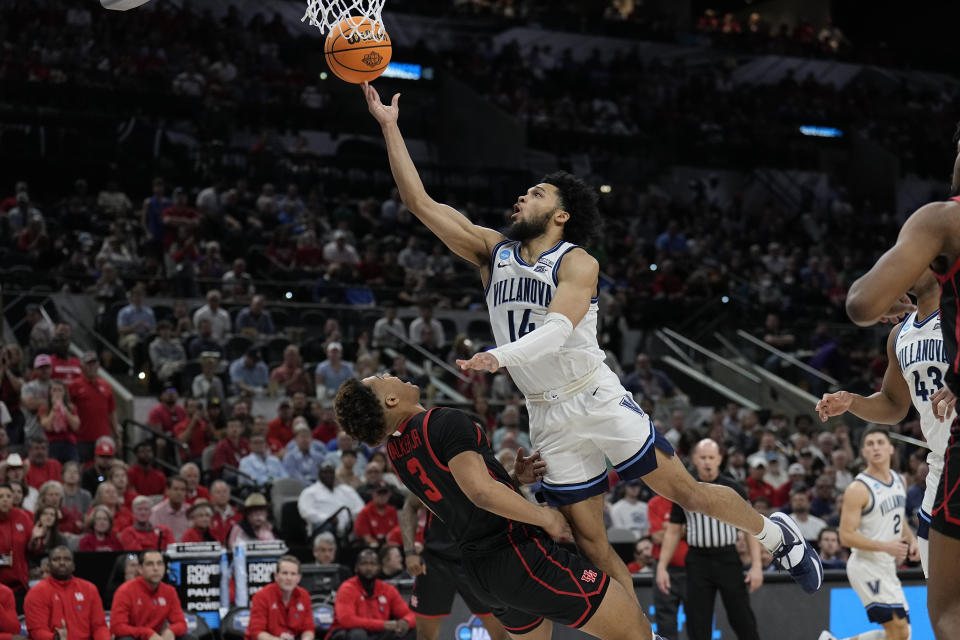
(430, 489)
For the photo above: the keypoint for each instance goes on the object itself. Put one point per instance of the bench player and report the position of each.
(541, 292)
(929, 239)
(874, 524)
(916, 370)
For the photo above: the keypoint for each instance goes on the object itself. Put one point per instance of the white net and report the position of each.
(328, 15)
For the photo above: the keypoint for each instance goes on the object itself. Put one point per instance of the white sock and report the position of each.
(876, 634)
(771, 536)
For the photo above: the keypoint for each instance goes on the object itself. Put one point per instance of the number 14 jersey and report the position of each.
(518, 295)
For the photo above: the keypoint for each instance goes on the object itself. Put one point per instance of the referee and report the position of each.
(712, 561)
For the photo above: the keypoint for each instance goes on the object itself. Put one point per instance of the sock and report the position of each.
(771, 536)
(876, 634)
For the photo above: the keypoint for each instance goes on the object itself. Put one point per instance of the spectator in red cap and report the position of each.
(172, 511)
(64, 607)
(145, 608)
(144, 534)
(35, 394)
(377, 517)
(144, 478)
(60, 422)
(41, 468)
(282, 609)
(102, 463)
(95, 405)
(16, 531)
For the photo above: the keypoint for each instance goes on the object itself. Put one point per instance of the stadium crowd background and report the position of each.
(194, 259)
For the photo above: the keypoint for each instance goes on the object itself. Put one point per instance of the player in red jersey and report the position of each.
(929, 239)
(443, 457)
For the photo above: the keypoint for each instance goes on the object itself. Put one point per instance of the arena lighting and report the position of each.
(404, 71)
(605, 188)
(821, 132)
(323, 75)
(653, 267)
(142, 375)
(288, 295)
(725, 299)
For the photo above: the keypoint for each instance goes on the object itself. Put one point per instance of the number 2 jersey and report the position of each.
(420, 452)
(924, 363)
(517, 296)
(884, 517)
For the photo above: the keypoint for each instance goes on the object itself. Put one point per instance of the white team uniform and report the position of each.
(873, 574)
(580, 414)
(919, 349)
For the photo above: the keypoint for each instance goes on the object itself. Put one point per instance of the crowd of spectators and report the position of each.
(189, 281)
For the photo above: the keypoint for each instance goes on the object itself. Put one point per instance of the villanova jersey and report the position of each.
(517, 296)
(924, 363)
(884, 518)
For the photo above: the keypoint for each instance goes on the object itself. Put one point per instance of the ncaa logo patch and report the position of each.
(504, 254)
(589, 575)
(472, 629)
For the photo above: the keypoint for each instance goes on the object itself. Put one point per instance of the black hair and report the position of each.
(143, 443)
(875, 429)
(143, 554)
(173, 479)
(578, 199)
(360, 412)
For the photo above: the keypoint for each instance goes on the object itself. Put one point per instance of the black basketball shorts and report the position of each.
(434, 590)
(946, 507)
(534, 578)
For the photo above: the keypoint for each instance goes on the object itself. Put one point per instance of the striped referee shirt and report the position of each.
(704, 532)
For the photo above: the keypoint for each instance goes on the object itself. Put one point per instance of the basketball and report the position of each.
(361, 57)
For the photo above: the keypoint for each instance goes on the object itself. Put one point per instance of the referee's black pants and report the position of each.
(710, 571)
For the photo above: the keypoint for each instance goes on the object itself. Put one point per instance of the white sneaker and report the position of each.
(826, 635)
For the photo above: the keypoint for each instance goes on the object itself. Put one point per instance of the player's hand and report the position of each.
(415, 565)
(663, 580)
(898, 310)
(898, 549)
(555, 524)
(914, 552)
(384, 114)
(528, 469)
(754, 578)
(402, 627)
(834, 404)
(482, 361)
(943, 402)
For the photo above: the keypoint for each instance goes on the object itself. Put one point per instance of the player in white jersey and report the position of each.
(916, 372)
(873, 523)
(541, 290)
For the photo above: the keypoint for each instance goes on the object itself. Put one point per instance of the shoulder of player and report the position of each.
(490, 239)
(938, 216)
(577, 264)
(858, 493)
(895, 332)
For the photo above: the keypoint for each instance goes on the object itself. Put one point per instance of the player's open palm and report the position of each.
(382, 113)
(482, 361)
(528, 469)
(834, 404)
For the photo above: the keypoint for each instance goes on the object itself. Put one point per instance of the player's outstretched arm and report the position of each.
(469, 241)
(855, 499)
(470, 472)
(408, 530)
(876, 293)
(890, 405)
(577, 279)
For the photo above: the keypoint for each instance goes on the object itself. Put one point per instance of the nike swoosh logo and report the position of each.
(595, 391)
(502, 264)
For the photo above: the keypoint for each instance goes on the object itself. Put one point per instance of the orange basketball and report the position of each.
(362, 57)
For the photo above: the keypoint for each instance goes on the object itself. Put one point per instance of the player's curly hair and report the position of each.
(579, 200)
(359, 412)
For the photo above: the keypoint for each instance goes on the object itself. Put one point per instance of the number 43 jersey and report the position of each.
(518, 295)
(923, 361)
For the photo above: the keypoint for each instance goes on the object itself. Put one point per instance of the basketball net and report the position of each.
(328, 15)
